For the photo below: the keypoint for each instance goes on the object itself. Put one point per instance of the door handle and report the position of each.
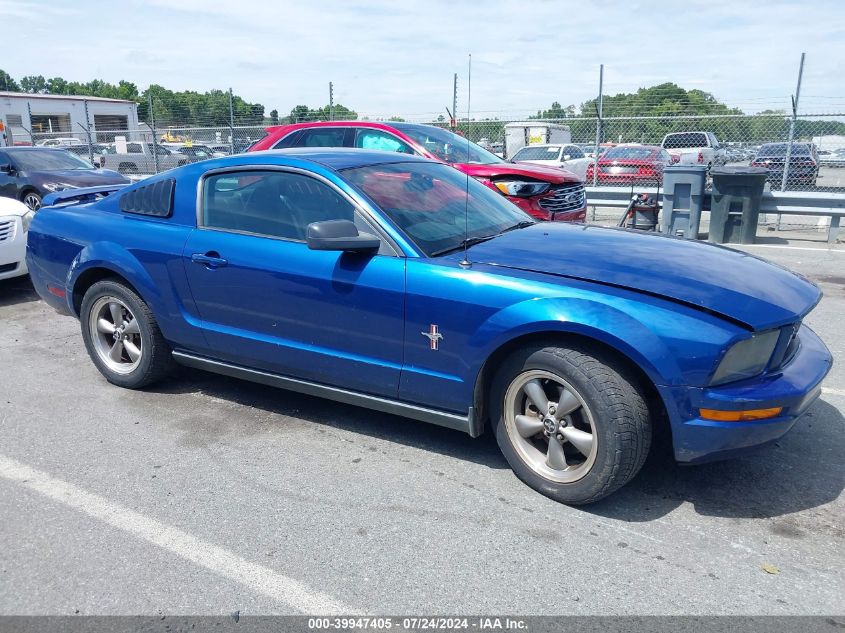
(209, 260)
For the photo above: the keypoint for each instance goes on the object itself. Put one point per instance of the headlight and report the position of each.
(26, 220)
(521, 188)
(55, 186)
(746, 358)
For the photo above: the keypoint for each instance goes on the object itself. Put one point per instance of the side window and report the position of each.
(288, 141)
(574, 152)
(322, 137)
(134, 148)
(273, 203)
(366, 138)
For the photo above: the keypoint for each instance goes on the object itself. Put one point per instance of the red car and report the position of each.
(631, 164)
(546, 193)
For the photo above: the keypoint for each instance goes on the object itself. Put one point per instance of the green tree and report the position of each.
(7, 83)
(274, 117)
(34, 84)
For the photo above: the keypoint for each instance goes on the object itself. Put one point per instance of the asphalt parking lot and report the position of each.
(211, 495)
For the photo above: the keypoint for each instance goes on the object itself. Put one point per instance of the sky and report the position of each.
(398, 57)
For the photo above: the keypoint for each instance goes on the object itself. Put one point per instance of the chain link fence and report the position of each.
(800, 153)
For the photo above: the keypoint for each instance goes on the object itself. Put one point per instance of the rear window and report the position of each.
(628, 153)
(537, 153)
(685, 139)
(779, 149)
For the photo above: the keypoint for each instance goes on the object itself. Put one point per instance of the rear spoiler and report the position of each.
(78, 196)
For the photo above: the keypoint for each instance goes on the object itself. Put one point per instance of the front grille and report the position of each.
(786, 347)
(564, 198)
(7, 230)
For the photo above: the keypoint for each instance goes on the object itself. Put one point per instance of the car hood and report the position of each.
(732, 284)
(554, 175)
(79, 178)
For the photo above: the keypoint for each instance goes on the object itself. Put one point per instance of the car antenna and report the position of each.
(465, 263)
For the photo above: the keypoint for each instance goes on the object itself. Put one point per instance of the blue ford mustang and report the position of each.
(395, 283)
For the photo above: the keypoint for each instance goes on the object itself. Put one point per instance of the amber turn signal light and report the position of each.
(740, 416)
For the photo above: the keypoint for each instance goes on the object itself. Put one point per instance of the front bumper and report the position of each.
(794, 387)
(12, 249)
(532, 207)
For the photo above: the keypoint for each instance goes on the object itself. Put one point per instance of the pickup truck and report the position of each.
(139, 158)
(694, 148)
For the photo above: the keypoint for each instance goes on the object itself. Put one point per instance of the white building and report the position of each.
(54, 116)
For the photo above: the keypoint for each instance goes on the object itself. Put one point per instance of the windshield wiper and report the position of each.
(519, 225)
(470, 241)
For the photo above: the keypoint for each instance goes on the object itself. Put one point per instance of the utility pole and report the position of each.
(88, 133)
(331, 101)
(454, 101)
(792, 124)
(598, 125)
(153, 128)
(469, 93)
(31, 127)
(231, 123)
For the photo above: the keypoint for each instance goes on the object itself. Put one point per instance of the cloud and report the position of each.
(389, 58)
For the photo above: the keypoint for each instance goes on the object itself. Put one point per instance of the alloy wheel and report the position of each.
(115, 334)
(551, 426)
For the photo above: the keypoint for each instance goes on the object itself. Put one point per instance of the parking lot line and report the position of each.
(260, 579)
(827, 249)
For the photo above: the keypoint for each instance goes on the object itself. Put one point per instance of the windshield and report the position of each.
(428, 201)
(779, 149)
(537, 153)
(48, 160)
(448, 146)
(628, 153)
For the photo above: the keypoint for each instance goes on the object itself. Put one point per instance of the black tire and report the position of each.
(622, 426)
(156, 361)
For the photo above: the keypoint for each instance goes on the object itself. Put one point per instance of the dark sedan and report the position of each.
(30, 173)
(803, 164)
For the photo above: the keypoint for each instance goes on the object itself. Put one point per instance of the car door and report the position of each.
(8, 181)
(575, 161)
(269, 302)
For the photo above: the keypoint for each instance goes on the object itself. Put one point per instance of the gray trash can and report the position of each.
(735, 205)
(683, 191)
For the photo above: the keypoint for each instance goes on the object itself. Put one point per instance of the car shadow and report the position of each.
(383, 426)
(775, 480)
(17, 290)
(802, 470)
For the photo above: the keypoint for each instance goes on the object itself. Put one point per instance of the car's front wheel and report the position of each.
(122, 336)
(572, 423)
(32, 199)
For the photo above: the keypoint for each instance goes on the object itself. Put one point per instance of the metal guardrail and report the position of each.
(811, 203)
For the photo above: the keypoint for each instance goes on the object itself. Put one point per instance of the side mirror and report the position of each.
(340, 235)
(5, 168)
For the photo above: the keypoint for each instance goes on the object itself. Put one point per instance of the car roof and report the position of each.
(38, 148)
(335, 158)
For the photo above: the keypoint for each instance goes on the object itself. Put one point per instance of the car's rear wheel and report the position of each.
(122, 336)
(572, 424)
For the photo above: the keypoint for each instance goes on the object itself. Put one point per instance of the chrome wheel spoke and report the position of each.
(581, 440)
(555, 457)
(105, 326)
(132, 350)
(116, 351)
(567, 404)
(132, 327)
(537, 396)
(116, 313)
(528, 426)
